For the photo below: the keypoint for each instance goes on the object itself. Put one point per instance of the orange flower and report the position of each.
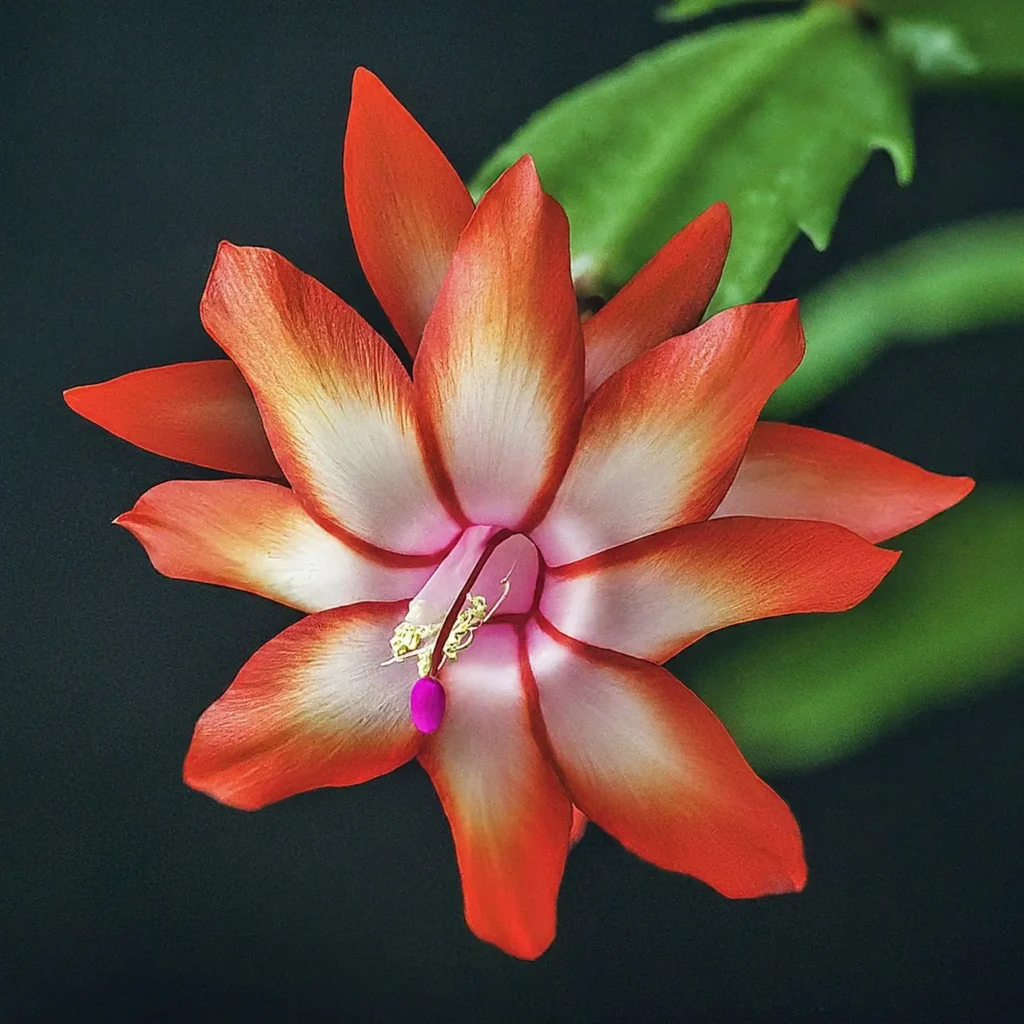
(497, 553)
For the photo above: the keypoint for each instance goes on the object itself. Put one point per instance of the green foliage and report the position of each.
(948, 621)
(683, 10)
(950, 39)
(954, 279)
(942, 39)
(775, 115)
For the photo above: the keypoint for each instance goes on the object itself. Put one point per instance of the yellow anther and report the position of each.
(409, 636)
(413, 639)
(466, 624)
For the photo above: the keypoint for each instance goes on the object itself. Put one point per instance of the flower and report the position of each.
(497, 553)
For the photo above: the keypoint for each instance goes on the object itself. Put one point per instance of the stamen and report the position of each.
(417, 640)
(420, 639)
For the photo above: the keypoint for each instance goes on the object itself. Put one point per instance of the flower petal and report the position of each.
(500, 373)
(579, 826)
(666, 297)
(654, 596)
(201, 413)
(662, 437)
(792, 472)
(649, 763)
(335, 400)
(255, 536)
(406, 205)
(311, 708)
(509, 815)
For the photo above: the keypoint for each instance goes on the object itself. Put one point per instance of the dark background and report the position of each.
(134, 137)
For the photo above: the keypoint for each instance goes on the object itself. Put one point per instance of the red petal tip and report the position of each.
(524, 168)
(365, 84)
(72, 395)
(194, 779)
(719, 211)
(223, 252)
(792, 876)
(783, 885)
(883, 559)
(129, 521)
(79, 399)
(966, 485)
(796, 882)
(799, 877)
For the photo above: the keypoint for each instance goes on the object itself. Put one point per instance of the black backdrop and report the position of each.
(135, 135)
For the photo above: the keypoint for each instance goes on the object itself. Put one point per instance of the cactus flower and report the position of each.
(497, 551)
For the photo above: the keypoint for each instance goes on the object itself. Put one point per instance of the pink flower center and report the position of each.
(490, 571)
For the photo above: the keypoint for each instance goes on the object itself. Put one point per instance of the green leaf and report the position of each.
(775, 115)
(683, 10)
(960, 277)
(947, 623)
(949, 39)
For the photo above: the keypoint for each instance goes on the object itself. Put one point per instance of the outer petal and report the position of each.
(798, 473)
(662, 437)
(509, 814)
(311, 708)
(654, 596)
(500, 373)
(406, 205)
(255, 536)
(335, 400)
(666, 297)
(193, 412)
(650, 764)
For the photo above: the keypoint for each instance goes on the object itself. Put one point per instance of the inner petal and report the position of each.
(438, 593)
(514, 559)
(517, 561)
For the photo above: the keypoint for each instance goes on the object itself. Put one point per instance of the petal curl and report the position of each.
(654, 596)
(649, 763)
(200, 412)
(664, 298)
(406, 205)
(662, 437)
(791, 472)
(335, 400)
(500, 371)
(255, 536)
(311, 708)
(509, 815)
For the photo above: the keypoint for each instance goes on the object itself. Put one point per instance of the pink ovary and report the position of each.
(427, 703)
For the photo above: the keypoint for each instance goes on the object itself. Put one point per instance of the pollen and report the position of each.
(412, 639)
(415, 639)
